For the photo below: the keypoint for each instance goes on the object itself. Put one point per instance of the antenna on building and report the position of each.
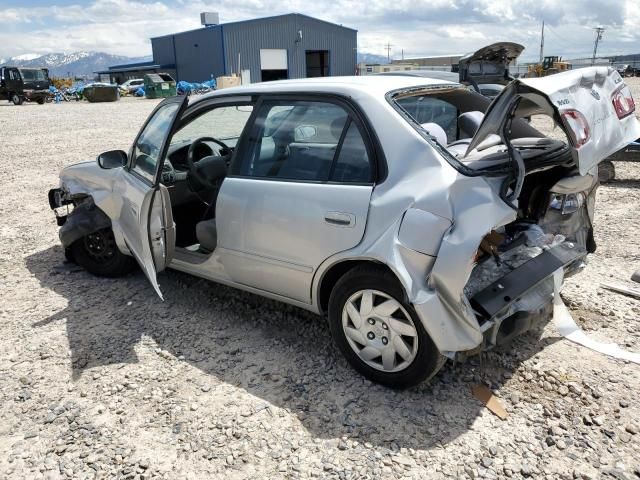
(599, 32)
(388, 49)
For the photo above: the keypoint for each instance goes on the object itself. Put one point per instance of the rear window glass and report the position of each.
(428, 109)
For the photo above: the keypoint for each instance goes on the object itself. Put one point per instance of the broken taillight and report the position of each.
(623, 102)
(578, 127)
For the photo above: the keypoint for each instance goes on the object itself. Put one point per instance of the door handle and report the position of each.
(340, 219)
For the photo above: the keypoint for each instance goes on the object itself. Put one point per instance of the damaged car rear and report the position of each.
(420, 227)
(493, 276)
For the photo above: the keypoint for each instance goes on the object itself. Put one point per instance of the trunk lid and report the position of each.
(592, 105)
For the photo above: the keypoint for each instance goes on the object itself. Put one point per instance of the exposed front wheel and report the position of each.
(379, 332)
(98, 253)
(16, 99)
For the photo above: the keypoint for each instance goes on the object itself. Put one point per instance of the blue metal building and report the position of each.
(272, 48)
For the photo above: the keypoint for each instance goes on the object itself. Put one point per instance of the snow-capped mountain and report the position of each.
(78, 64)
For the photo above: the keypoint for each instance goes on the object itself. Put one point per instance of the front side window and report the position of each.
(305, 141)
(222, 123)
(148, 147)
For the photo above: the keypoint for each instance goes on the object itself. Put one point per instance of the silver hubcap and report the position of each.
(380, 331)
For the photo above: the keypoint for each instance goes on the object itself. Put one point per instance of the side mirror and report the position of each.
(112, 159)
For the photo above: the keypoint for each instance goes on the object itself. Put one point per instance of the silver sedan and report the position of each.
(419, 226)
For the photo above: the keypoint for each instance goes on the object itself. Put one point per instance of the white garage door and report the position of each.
(273, 59)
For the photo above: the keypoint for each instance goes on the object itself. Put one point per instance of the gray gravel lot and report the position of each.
(100, 379)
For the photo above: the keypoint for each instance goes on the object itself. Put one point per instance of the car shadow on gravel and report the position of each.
(623, 183)
(278, 353)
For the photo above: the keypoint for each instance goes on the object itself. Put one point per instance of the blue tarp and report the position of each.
(186, 88)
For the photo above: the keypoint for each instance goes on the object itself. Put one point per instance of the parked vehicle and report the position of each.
(422, 229)
(101, 92)
(132, 85)
(486, 70)
(630, 153)
(19, 84)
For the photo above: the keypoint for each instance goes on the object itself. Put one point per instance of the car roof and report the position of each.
(433, 74)
(376, 85)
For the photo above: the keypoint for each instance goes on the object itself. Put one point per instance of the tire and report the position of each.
(41, 100)
(98, 254)
(606, 171)
(420, 361)
(16, 99)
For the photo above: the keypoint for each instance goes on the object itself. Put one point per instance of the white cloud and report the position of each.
(419, 27)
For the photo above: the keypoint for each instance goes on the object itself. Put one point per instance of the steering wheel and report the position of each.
(193, 167)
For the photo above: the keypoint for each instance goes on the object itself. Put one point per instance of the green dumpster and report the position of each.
(159, 85)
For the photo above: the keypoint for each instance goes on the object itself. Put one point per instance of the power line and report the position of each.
(388, 49)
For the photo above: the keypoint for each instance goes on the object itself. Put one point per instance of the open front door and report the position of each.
(145, 214)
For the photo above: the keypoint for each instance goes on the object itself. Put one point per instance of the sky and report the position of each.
(417, 27)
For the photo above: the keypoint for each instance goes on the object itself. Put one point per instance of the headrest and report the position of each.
(469, 122)
(436, 131)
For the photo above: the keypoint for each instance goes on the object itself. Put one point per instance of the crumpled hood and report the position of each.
(592, 105)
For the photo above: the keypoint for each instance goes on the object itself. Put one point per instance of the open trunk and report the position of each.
(550, 184)
(522, 206)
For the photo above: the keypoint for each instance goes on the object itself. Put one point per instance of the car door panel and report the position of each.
(145, 218)
(272, 235)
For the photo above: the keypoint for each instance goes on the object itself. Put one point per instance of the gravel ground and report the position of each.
(100, 379)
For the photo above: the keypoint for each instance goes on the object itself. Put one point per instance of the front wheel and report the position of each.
(378, 331)
(98, 253)
(17, 99)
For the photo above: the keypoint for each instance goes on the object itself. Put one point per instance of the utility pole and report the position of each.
(542, 43)
(599, 32)
(388, 49)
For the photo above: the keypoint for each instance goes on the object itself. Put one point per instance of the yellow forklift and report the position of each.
(549, 66)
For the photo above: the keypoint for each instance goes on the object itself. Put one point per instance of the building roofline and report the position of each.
(251, 20)
(135, 67)
(134, 64)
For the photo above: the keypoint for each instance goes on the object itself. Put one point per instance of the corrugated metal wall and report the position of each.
(163, 52)
(282, 33)
(198, 54)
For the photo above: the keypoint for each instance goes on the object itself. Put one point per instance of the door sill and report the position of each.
(190, 256)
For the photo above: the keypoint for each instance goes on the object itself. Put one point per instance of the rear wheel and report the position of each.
(41, 100)
(378, 331)
(98, 253)
(16, 99)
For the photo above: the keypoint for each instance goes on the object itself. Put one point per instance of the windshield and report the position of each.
(33, 75)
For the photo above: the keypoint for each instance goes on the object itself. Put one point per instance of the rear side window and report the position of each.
(352, 164)
(304, 141)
